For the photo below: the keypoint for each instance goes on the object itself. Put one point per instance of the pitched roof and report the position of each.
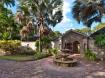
(75, 32)
(100, 31)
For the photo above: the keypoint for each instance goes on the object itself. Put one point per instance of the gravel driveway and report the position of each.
(46, 69)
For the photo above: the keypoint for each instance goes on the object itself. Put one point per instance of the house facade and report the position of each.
(75, 42)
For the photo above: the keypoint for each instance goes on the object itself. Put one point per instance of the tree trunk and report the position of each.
(89, 33)
(41, 24)
(39, 40)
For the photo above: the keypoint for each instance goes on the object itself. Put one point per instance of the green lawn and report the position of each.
(18, 58)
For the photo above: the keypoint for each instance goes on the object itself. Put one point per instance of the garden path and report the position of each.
(46, 69)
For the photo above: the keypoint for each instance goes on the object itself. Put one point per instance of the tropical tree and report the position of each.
(7, 23)
(8, 2)
(45, 13)
(25, 19)
(88, 11)
(54, 34)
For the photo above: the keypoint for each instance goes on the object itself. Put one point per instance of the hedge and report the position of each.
(10, 46)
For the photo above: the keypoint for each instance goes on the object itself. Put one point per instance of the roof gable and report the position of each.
(72, 31)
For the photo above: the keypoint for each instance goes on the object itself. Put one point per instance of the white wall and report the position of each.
(30, 44)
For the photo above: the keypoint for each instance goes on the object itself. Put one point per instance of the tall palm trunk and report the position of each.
(88, 41)
(41, 24)
(39, 40)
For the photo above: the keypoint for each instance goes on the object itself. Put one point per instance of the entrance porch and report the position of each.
(73, 47)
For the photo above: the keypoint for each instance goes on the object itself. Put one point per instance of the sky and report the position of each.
(68, 21)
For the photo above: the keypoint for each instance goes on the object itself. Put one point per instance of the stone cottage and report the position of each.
(76, 42)
(93, 47)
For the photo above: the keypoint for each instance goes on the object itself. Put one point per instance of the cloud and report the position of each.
(66, 10)
(62, 27)
(67, 23)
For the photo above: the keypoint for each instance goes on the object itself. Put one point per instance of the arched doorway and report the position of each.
(76, 47)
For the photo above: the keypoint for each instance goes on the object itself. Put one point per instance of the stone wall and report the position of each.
(97, 50)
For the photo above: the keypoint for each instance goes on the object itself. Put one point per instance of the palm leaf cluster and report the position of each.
(44, 13)
(88, 11)
(8, 2)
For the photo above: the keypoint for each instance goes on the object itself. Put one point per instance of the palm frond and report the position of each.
(9, 2)
(87, 11)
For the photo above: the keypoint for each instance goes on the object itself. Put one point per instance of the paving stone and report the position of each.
(46, 69)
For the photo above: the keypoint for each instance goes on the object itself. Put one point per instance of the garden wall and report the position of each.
(97, 50)
(30, 44)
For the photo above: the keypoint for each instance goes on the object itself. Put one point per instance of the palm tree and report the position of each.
(45, 13)
(88, 11)
(8, 2)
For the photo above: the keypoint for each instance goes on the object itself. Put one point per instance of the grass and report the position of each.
(18, 58)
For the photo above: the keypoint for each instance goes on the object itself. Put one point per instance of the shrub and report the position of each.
(90, 55)
(45, 43)
(10, 46)
(37, 45)
(13, 47)
(40, 55)
(24, 50)
(6, 36)
(100, 40)
(53, 51)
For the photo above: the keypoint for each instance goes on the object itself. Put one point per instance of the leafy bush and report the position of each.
(40, 55)
(37, 45)
(45, 43)
(100, 40)
(13, 47)
(10, 46)
(90, 55)
(53, 51)
(24, 50)
(5, 36)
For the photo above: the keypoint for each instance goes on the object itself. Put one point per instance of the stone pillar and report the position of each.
(60, 42)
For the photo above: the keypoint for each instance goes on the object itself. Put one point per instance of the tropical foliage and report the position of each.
(88, 11)
(40, 55)
(41, 16)
(39, 13)
(54, 52)
(100, 40)
(8, 2)
(10, 47)
(8, 25)
(13, 47)
(90, 55)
